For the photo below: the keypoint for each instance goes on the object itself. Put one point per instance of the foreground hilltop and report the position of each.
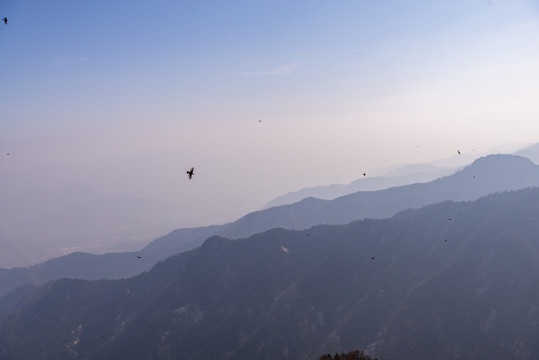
(451, 280)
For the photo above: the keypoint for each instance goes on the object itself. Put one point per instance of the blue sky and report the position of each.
(340, 86)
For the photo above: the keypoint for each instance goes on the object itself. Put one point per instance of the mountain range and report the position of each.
(404, 175)
(486, 175)
(396, 175)
(451, 280)
(531, 152)
(126, 201)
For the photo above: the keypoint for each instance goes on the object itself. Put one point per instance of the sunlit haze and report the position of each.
(261, 97)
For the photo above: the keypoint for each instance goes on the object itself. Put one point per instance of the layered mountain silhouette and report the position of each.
(404, 175)
(396, 175)
(531, 152)
(486, 175)
(414, 286)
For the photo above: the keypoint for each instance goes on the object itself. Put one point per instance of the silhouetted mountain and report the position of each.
(486, 175)
(330, 192)
(531, 152)
(415, 286)
(412, 169)
(110, 266)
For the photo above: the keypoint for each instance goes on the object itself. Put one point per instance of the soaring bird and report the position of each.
(458, 151)
(5, 20)
(191, 172)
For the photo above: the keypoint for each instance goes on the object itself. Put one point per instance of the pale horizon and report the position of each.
(262, 98)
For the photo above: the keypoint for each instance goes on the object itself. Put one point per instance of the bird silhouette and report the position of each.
(449, 219)
(458, 151)
(5, 20)
(191, 172)
(139, 257)
(372, 257)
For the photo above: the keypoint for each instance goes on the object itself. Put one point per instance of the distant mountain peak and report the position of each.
(500, 159)
(500, 165)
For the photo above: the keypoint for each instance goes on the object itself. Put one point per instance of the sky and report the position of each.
(261, 97)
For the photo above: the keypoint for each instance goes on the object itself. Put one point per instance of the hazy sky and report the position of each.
(339, 86)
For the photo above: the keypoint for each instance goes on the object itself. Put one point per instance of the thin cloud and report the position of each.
(280, 70)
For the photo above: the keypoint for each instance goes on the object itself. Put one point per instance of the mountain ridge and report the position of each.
(330, 192)
(486, 175)
(416, 285)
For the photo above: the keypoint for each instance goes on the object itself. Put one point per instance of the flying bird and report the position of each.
(449, 219)
(139, 257)
(5, 20)
(191, 172)
(372, 257)
(458, 151)
(364, 174)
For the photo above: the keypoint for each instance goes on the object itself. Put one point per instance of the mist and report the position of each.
(106, 104)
